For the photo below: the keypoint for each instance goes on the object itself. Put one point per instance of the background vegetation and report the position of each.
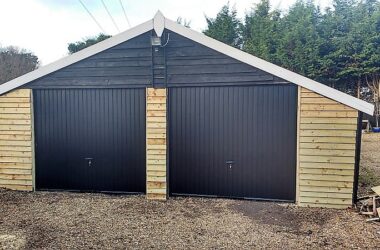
(338, 46)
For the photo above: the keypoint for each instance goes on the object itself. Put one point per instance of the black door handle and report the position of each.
(89, 161)
(229, 164)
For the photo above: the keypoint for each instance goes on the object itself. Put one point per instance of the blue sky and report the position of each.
(47, 26)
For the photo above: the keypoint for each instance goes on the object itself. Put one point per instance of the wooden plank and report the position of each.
(17, 93)
(16, 137)
(156, 99)
(15, 127)
(330, 139)
(16, 116)
(329, 126)
(346, 114)
(305, 90)
(16, 176)
(15, 132)
(315, 183)
(325, 107)
(320, 100)
(347, 166)
(156, 178)
(156, 196)
(15, 182)
(155, 167)
(156, 191)
(15, 148)
(15, 171)
(14, 99)
(311, 95)
(336, 206)
(325, 177)
(15, 143)
(156, 125)
(154, 185)
(327, 120)
(155, 113)
(15, 165)
(320, 189)
(14, 122)
(327, 133)
(156, 173)
(14, 110)
(332, 152)
(327, 159)
(156, 131)
(312, 145)
(5, 159)
(156, 92)
(156, 106)
(325, 195)
(154, 162)
(327, 171)
(18, 187)
(14, 105)
(339, 201)
(154, 141)
(15, 154)
(150, 146)
(152, 151)
(155, 136)
(155, 157)
(156, 119)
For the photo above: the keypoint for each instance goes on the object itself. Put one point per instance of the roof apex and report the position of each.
(159, 23)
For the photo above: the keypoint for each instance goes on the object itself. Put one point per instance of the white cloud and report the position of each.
(47, 26)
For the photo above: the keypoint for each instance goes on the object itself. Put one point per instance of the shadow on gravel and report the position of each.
(281, 215)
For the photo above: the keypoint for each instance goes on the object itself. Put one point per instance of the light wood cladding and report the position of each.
(327, 139)
(16, 146)
(156, 187)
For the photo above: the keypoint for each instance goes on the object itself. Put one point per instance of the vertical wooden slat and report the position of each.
(156, 187)
(16, 165)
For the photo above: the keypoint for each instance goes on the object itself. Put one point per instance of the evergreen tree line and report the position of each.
(339, 46)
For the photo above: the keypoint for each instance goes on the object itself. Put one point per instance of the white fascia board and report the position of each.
(76, 57)
(271, 68)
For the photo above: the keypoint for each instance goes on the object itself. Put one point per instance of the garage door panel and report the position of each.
(104, 126)
(252, 126)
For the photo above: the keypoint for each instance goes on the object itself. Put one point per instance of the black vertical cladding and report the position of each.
(90, 139)
(357, 157)
(227, 141)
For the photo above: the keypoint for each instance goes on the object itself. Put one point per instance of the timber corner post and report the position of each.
(156, 143)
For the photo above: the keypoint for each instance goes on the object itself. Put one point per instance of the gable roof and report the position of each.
(159, 23)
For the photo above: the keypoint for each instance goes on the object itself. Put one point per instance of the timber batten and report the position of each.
(16, 146)
(327, 140)
(156, 187)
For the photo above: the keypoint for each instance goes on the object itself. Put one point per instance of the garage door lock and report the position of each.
(89, 161)
(229, 164)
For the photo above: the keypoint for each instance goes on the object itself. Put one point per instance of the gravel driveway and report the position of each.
(81, 221)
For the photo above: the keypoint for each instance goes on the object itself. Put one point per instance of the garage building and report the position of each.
(164, 110)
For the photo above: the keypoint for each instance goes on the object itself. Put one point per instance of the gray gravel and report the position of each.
(81, 221)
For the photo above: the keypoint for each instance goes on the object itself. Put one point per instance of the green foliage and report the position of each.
(15, 62)
(77, 46)
(339, 46)
(226, 27)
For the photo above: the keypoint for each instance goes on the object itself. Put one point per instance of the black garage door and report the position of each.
(90, 139)
(233, 141)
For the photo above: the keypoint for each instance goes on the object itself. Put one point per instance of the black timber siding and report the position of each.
(181, 62)
(128, 64)
(210, 126)
(74, 126)
(192, 64)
